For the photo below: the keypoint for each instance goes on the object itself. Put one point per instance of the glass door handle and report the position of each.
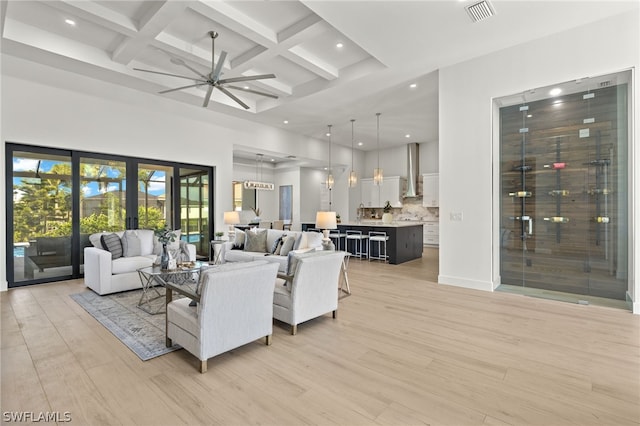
(530, 220)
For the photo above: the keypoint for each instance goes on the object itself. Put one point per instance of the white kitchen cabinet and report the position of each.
(430, 191)
(376, 196)
(431, 233)
(370, 194)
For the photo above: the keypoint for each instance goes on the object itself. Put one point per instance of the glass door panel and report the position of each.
(102, 198)
(194, 209)
(154, 198)
(42, 209)
(563, 161)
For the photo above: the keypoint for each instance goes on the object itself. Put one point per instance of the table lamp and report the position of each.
(326, 221)
(231, 219)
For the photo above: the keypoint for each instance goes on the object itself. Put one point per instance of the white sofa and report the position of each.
(106, 275)
(235, 309)
(305, 241)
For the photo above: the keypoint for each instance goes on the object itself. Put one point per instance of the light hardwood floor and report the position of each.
(403, 350)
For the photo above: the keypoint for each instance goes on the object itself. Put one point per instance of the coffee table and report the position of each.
(153, 277)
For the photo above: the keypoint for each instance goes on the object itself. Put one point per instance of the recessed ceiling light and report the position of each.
(339, 45)
(246, 87)
(327, 134)
(286, 121)
(413, 85)
(529, 115)
(360, 144)
(273, 159)
(407, 135)
(70, 22)
(555, 92)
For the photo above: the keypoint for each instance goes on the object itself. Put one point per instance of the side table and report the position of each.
(216, 251)
(153, 277)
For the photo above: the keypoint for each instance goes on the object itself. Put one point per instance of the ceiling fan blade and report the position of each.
(207, 96)
(183, 87)
(170, 75)
(216, 72)
(232, 96)
(269, 95)
(247, 78)
(178, 61)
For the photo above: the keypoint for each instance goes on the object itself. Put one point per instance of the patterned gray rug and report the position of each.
(143, 333)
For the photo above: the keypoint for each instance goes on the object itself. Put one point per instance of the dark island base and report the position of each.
(405, 242)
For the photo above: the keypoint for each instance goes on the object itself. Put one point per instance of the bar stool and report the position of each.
(379, 238)
(337, 237)
(357, 237)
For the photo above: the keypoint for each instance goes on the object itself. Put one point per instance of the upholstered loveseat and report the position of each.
(272, 245)
(112, 271)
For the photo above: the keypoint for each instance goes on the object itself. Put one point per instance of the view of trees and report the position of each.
(42, 207)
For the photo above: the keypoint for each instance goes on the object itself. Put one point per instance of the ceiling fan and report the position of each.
(213, 79)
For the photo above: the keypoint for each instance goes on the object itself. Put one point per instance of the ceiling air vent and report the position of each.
(480, 10)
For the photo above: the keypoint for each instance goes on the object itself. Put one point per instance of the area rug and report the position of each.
(141, 332)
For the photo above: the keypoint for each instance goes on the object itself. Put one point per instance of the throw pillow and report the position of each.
(276, 244)
(96, 241)
(175, 245)
(256, 241)
(130, 244)
(301, 241)
(314, 240)
(287, 245)
(111, 243)
(278, 248)
(239, 239)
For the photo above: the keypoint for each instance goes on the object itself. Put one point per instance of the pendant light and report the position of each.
(329, 175)
(377, 173)
(353, 176)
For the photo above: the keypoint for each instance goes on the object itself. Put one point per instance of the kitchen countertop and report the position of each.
(394, 224)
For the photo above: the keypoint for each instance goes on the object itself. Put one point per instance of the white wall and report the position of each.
(468, 183)
(311, 181)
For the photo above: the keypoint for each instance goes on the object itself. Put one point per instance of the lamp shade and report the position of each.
(231, 218)
(326, 220)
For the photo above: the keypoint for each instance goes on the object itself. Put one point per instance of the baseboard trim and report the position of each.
(464, 282)
(635, 305)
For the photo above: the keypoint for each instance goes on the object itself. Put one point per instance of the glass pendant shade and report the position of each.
(378, 176)
(353, 176)
(377, 172)
(330, 180)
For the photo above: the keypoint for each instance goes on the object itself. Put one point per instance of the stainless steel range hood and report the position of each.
(413, 160)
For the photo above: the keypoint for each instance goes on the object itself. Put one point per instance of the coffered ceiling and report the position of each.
(333, 60)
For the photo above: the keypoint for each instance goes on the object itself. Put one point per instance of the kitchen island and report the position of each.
(405, 239)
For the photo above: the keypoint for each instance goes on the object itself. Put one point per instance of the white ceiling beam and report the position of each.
(98, 14)
(235, 20)
(153, 23)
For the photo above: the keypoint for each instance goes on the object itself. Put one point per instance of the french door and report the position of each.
(564, 190)
(61, 197)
